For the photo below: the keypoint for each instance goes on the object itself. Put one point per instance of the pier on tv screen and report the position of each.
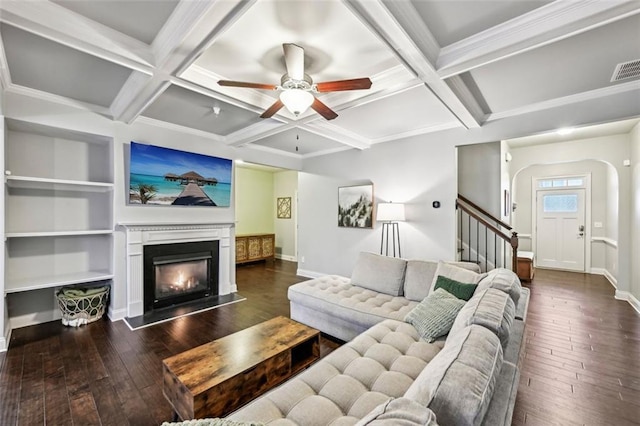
(170, 177)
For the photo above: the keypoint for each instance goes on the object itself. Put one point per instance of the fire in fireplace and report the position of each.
(178, 273)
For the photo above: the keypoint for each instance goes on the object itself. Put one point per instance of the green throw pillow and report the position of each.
(460, 290)
(434, 316)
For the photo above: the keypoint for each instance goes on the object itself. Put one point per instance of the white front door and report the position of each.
(560, 229)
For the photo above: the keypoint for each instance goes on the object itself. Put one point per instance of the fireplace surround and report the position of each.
(141, 235)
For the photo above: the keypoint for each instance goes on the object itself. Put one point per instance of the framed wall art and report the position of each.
(355, 206)
(284, 208)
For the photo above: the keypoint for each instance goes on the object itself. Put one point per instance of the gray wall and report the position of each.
(413, 172)
(635, 205)
(479, 175)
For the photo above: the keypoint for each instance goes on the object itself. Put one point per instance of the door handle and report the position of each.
(581, 231)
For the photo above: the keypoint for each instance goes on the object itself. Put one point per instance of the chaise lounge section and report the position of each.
(389, 370)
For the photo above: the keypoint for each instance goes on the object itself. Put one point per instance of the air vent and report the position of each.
(626, 70)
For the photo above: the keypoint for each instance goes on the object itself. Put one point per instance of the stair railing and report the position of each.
(483, 238)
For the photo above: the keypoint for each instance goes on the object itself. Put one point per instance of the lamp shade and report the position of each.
(296, 100)
(390, 212)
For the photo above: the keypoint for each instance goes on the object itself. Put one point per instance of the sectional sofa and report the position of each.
(392, 371)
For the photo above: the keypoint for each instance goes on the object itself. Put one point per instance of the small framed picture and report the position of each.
(284, 208)
(355, 206)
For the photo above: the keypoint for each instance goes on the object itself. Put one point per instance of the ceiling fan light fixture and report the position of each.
(296, 100)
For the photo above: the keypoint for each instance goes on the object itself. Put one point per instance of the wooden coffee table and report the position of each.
(218, 377)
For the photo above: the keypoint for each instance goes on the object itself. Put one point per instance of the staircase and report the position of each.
(485, 239)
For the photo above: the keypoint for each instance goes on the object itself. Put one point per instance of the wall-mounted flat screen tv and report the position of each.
(169, 177)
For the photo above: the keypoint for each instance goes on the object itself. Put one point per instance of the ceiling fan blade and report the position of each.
(323, 110)
(294, 59)
(353, 84)
(272, 109)
(245, 84)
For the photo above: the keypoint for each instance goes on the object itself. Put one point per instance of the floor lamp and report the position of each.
(389, 214)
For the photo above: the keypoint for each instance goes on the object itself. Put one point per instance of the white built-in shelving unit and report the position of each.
(58, 207)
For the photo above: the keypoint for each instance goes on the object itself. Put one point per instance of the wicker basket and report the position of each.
(82, 305)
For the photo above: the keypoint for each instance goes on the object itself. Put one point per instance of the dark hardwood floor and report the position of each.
(582, 363)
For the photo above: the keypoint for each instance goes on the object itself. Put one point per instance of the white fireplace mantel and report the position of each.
(139, 235)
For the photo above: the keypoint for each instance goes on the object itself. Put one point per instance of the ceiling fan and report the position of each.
(297, 88)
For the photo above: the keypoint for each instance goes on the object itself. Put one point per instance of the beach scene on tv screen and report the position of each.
(165, 176)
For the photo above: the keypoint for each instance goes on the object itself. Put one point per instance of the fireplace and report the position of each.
(179, 272)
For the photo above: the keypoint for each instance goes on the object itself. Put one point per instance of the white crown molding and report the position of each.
(270, 150)
(331, 131)
(50, 97)
(547, 24)
(257, 131)
(381, 22)
(66, 27)
(566, 100)
(326, 152)
(416, 132)
(179, 128)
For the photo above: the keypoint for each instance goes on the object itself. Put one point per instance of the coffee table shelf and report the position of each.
(216, 378)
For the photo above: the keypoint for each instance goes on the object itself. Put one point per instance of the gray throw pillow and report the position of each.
(434, 316)
(379, 273)
(456, 273)
(399, 411)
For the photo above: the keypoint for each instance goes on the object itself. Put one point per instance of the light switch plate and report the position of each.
(597, 224)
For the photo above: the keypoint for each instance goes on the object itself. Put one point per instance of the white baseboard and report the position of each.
(286, 257)
(602, 271)
(5, 338)
(625, 295)
(309, 274)
(116, 314)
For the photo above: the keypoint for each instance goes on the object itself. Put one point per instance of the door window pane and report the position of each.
(560, 203)
(575, 182)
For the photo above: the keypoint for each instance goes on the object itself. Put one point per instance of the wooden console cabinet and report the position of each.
(250, 248)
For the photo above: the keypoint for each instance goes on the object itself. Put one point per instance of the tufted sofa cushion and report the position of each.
(458, 383)
(336, 295)
(347, 384)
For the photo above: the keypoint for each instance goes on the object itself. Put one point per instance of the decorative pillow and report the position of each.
(212, 422)
(460, 290)
(458, 383)
(379, 273)
(504, 280)
(492, 309)
(399, 411)
(418, 279)
(457, 273)
(434, 316)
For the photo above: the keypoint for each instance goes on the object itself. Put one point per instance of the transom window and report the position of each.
(571, 182)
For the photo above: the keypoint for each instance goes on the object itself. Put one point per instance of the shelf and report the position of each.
(58, 233)
(27, 284)
(27, 182)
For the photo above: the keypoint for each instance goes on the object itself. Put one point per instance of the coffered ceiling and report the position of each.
(435, 65)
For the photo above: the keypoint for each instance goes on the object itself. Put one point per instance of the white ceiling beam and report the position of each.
(398, 25)
(5, 75)
(547, 24)
(192, 27)
(328, 130)
(66, 27)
